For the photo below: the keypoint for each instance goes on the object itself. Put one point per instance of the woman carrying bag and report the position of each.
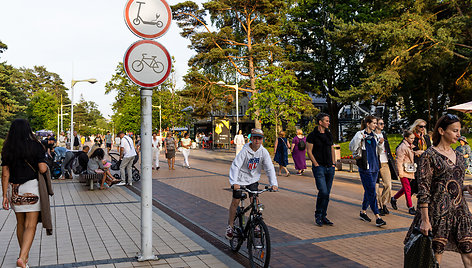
(406, 170)
(364, 146)
(25, 185)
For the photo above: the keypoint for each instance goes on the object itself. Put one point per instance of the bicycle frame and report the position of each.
(254, 215)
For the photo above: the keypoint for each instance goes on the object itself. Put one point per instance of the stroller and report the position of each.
(54, 167)
(115, 167)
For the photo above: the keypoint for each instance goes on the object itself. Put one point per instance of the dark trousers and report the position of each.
(67, 163)
(324, 180)
(369, 180)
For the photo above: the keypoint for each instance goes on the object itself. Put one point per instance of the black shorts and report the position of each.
(109, 145)
(252, 187)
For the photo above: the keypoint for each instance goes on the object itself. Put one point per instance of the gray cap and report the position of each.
(463, 138)
(256, 132)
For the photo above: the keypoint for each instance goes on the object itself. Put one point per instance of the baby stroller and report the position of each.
(54, 167)
(115, 167)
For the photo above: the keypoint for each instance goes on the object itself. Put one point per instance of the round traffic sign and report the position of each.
(147, 63)
(148, 19)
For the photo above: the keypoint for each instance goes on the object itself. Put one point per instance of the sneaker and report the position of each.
(188, 167)
(130, 184)
(381, 212)
(157, 168)
(379, 222)
(393, 202)
(327, 222)
(319, 222)
(364, 217)
(412, 211)
(229, 232)
(386, 210)
(121, 183)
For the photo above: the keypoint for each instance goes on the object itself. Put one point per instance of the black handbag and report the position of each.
(414, 186)
(419, 252)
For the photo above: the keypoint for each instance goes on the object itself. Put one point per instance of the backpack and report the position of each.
(301, 145)
(76, 167)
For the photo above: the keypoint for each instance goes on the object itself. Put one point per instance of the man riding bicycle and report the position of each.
(246, 170)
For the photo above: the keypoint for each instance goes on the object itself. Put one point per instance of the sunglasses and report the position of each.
(422, 126)
(381, 124)
(452, 116)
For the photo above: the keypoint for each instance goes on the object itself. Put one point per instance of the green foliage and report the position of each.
(278, 99)
(9, 103)
(42, 111)
(419, 55)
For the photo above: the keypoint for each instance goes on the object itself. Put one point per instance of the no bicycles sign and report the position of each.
(148, 19)
(147, 63)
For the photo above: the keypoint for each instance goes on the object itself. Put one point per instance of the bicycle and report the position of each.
(156, 66)
(254, 230)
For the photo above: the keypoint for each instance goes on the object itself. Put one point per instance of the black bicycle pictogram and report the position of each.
(138, 18)
(157, 66)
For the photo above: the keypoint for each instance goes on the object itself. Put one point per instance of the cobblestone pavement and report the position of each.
(200, 197)
(101, 228)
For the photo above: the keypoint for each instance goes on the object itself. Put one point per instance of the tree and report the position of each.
(278, 99)
(245, 40)
(419, 56)
(42, 111)
(324, 64)
(9, 104)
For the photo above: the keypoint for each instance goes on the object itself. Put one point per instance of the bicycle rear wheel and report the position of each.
(238, 236)
(258, 245)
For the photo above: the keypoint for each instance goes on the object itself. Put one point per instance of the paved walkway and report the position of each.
(200, 196)
(101, 228)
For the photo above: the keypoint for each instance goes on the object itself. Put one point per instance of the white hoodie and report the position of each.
(247, 166)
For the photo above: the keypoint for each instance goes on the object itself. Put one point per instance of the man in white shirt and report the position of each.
(156, 148)
(127, 155)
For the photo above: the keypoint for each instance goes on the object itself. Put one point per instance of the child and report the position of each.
(246, 171)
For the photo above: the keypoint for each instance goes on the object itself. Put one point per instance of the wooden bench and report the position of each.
(350, 162)
(90, 179)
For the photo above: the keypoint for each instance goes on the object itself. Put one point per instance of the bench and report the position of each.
(90, 179)
(350, 162)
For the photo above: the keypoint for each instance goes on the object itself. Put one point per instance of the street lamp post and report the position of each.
(73, 82)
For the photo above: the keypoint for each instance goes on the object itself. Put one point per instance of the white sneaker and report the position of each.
(121, 183)
(130, 184)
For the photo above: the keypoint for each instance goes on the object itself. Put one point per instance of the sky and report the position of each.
(78, 40)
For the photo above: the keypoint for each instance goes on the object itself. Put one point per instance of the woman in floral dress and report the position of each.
(442, 208)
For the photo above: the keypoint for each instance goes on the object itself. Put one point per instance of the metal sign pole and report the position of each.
(146, 176)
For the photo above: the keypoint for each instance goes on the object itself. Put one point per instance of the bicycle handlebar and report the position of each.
(243, 188)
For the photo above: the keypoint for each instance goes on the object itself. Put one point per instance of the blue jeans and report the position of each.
(324, 180)
(369, 180)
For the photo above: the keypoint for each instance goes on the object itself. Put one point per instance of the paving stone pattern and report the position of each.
(100, 228)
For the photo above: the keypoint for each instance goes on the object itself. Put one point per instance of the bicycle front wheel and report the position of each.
(238, 236)
(258, 245)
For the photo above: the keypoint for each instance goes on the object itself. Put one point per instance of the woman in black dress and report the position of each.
(22, 157)
(442, 207)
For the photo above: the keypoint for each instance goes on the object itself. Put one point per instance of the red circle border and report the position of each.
(147, 36)
(126, 66)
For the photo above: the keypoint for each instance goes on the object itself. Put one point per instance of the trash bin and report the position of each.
(337, 152)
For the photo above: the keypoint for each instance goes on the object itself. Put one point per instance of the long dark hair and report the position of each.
(443, 122)
(99, 153)
(19, 142)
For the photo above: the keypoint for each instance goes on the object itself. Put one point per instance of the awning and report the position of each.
(464, 107)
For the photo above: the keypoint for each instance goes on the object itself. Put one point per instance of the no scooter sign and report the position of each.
(147, 63)
(148, 19)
